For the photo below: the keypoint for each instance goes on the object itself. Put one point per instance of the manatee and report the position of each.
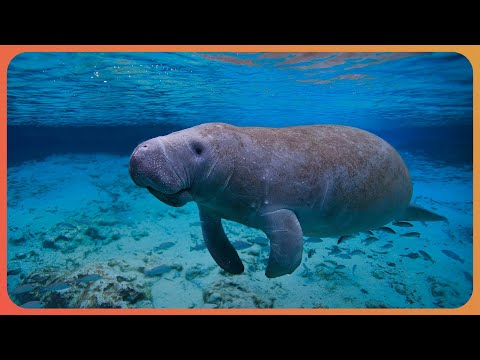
(319, 180)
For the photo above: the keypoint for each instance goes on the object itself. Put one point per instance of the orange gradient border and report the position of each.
(8, 52)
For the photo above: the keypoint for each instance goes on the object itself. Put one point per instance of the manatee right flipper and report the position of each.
(416, 213)
(217, 242)
(286, 241)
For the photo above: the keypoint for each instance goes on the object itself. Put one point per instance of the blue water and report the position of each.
(74, 118)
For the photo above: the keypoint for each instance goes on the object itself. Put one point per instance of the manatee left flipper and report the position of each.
(217, 242)
(286, 241)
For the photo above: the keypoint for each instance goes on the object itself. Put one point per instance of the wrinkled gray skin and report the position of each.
(323, 180)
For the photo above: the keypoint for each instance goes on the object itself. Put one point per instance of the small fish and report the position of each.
(380, 252)
(159, 270)
(353, 269)
(364, 291)
(333, 262)
(452, 255)
(386, 230)
(89, 278)
(368, 232)
(311, 252)
(198, 247)
(14, 271)
(260, 240)
(426, 256)
(23, 289)
(33, 305)
(392, 264)
(402, 224)
(338, 267)
(67, 225)
(334, 250)
(343, 238)
(164, 246)
(411, 234)
(343, 256)
(412, 255)
(356, 252)
(387, 246)
(241, 245)
(313, 239)
(369, 240)
(57, 286)
(468, 276)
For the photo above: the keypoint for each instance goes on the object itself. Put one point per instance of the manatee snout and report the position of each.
(152, 167)
(137, 166)
(142, 164)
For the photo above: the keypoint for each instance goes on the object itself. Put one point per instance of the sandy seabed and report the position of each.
(71, 216)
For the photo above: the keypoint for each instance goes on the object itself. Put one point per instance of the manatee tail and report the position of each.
(417, 213)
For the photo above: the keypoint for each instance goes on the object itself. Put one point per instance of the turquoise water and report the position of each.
(73, 211)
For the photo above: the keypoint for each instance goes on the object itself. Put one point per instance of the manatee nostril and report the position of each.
(138, 149)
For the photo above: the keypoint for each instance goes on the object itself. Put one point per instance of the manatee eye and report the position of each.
(198, 148)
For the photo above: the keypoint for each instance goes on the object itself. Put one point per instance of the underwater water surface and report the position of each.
(82, 234)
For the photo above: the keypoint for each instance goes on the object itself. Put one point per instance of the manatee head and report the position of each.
(191, 164)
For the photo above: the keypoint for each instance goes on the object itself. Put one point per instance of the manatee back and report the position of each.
(339, 174)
